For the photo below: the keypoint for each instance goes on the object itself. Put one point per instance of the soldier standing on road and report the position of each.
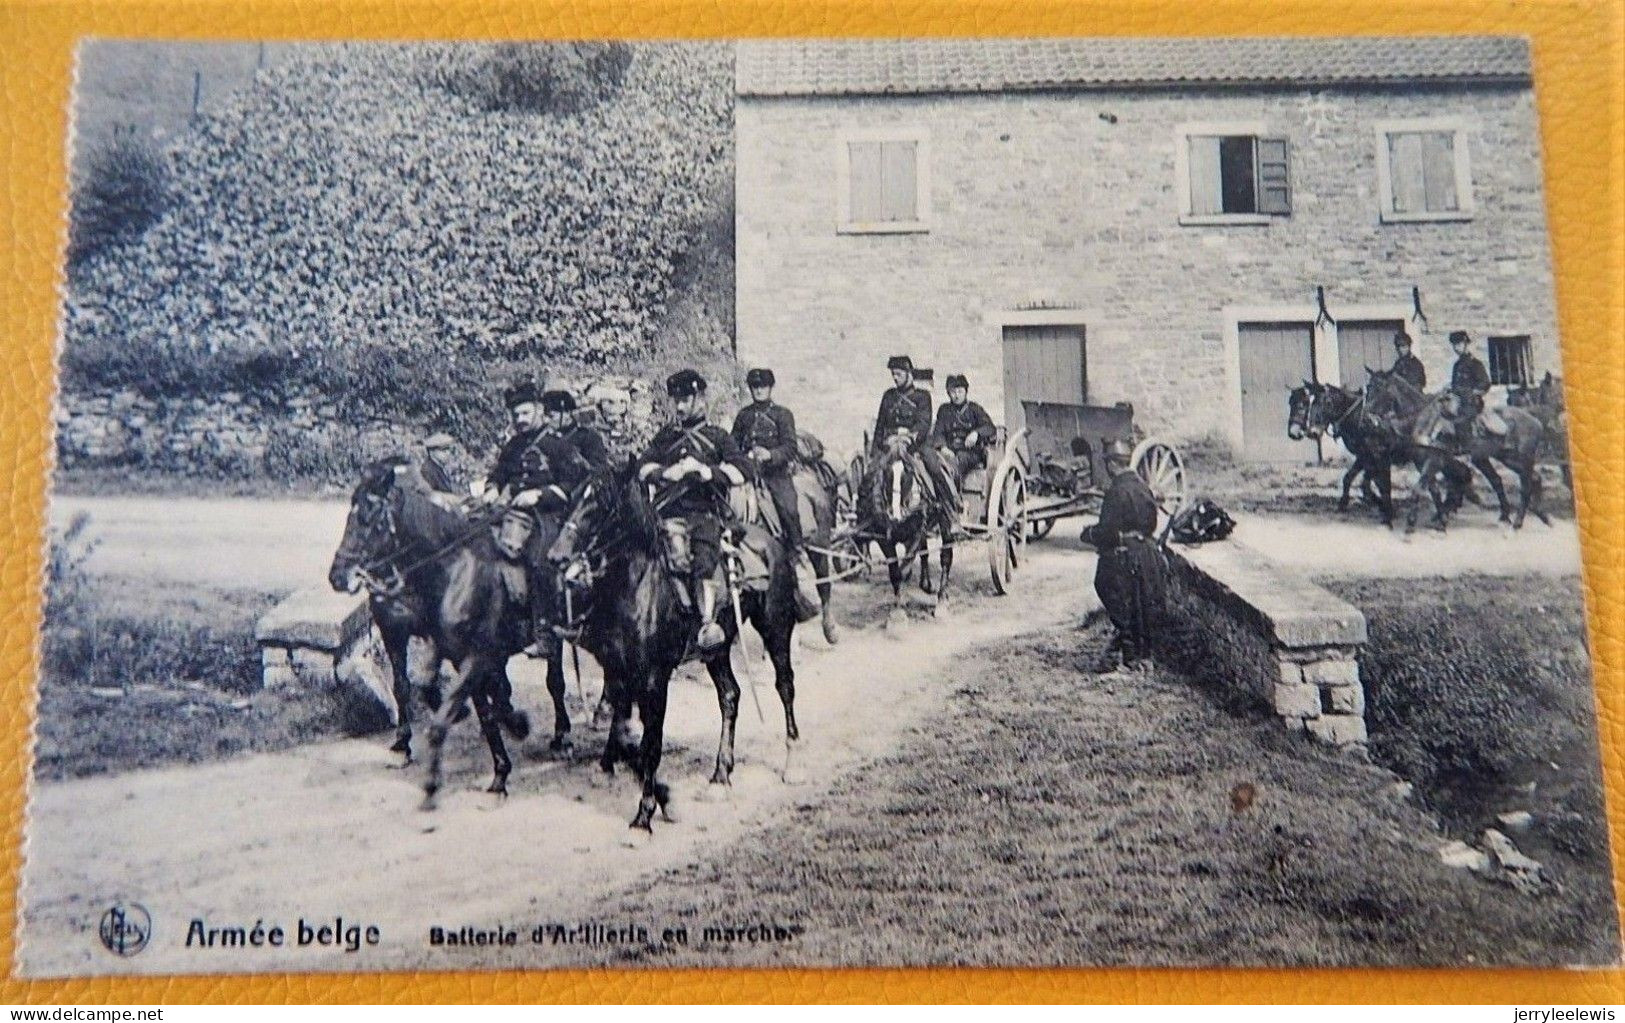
(1131, 574)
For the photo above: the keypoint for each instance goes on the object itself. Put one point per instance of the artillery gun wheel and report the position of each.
(1007, 525)
(1163, 469)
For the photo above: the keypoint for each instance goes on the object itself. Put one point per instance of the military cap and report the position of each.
(759, 378)
(1460, 337)
(436, 441)
(1118, 449)
(558, 401)
(685, 383)
(957, 380)
(902, 362)
(1401, 338)
(523, 393)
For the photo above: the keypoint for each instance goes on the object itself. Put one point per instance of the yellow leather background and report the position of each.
(1580, 88)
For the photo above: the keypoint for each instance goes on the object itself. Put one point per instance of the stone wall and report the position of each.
(1278, 639)
(1069, 202)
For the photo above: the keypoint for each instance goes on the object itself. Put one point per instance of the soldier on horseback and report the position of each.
(904, 423)
(560, 407)
(963, 429)
(1469, 382)
(534, 473)
(611, 406)
(765, 432)
(1407, 366)
(1131, 575)
(695, 461)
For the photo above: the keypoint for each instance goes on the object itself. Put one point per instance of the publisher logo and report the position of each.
(125, 928)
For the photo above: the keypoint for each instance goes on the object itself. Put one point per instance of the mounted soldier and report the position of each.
(1407, 366)
(694, 462)
(963, 429)
(433, 468)
(1131, 575)
(533, 476)
(765, 432)
(560, 407)
(1469, 383)
(904, 424)
(611, 408)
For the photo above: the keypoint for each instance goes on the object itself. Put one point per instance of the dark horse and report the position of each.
(1437, 443)
(434, 574)
(638, 624)
(1545, 402)
(1377, 446)
(897, 511)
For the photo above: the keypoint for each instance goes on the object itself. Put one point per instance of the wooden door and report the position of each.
(1362, 343)
(1047, 362)
(1275, 357)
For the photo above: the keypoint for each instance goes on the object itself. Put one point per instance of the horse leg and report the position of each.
(1348, 482)
(894, 568)
(1487, 470)
(396, 637)
(925, 572)
(618, 743)
(1529, 487)
(776, 638)
(947, 568)
(468, 670)
(826, 590)
(491, 726)
(652, 708)
(1424, 484)
(1385, 491)
(555, 689)
(727, 685)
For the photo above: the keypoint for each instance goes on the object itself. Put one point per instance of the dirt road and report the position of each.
(331, 831)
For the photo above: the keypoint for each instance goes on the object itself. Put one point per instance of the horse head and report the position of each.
(611, 512)
(893, 488)
(371, 527)
(1299, 404)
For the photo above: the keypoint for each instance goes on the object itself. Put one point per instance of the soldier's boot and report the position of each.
(711, 635)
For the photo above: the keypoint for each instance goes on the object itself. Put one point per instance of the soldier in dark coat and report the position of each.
(963, 428)
(1131, 574)
(1407, 366)
(1470, 382)
(765, 432)
(533, 476)
(560, 407)
(699, 459)
(612, 405)
(905, 418)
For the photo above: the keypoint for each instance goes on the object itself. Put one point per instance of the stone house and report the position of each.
(1153, 221)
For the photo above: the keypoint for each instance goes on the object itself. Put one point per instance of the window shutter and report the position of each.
(899, 177)
(1439, 171)
(865, 172)
(1274, 177)
(1207, 189)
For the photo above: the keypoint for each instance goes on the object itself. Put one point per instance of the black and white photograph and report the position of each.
(1070, 502)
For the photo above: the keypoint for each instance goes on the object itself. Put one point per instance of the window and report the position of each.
(884, 186)
(1509, 360)
(1232, 174)
(1422, 171)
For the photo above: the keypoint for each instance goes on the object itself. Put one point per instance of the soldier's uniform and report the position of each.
(588, 442)
(1409, 369)
(956, 424)
(908, 408)
(542, 462)
(433, 471)
(1469, 382)
(1130, 575)
(765, 434)
(701, 501)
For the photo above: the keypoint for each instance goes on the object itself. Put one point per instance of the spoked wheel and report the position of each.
(1160, 465)
(1007, 526)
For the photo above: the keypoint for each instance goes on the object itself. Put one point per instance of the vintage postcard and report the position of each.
(890, 502)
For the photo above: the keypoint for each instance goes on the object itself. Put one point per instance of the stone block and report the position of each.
(313, 665)
(1332, 674)
(1299, 701)
(315, 617)
(1288, 672)
(1344, 699)
(1337, 729)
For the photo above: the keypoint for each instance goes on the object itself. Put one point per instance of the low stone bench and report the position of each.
(1281, 638)
(317, 636)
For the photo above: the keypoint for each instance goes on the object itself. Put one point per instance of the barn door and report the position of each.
(1362, 343)
(1047, 362)
(1275, 357)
